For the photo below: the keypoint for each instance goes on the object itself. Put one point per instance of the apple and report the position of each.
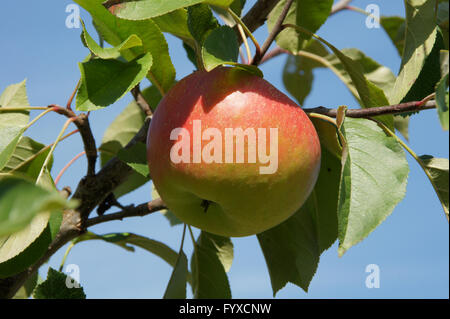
(230, 154)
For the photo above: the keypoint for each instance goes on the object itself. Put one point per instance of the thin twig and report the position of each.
(64, 169)
(341, 5)
(42, 150)
(376, 111)
(69, 102)
(82, 123)
(275, 31)
(49, 155)
(244, 39)
(140, 100)
(243, 59)
(91, 192)
(257, 14)
(140, 210)
(48, 110)
(246, 30)
(272, 54)
(22, 108)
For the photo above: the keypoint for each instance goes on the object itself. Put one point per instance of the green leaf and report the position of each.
(136, 158)
(442, 91)
(115, 31)
(28, 158)
(15, 95)
(298, 71)
(201, 21)
(21, 201)
(108, 53)
(113, 238)
(12, 124)
(437, 171)
(309, 14)
(429, 76)
(173, 220)
(27, 289)
(369, 94)
(401, 124)
(22, 249)
(121, 131)
(55, 287)
(442, 102)
(103, 82)
(377, 77)
(236, 6)
(9, 138)
(190, 52)
(220, 47)
(292, 249)
(176, 288)
(373, 180)
(175, 23)
(328, 136)
(146, 9)
(25, 247)
(212, 256)
(376, 73)
(442, 20)
(419, 41)
(395, 28)
(252, 69)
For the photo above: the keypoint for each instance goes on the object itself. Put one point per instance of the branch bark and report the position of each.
(140, 210)
(91, 191)
(140, 100)
(82, 123)
(339, 6)
(257, 15)
(376, 111)
(276, 29)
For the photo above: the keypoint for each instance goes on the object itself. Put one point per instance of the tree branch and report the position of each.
(135, 211)
(92, 191)
(70, 229)
(272, 54)
(140, 100)
(257, 15)
(275, 31)
(82, 123)
(339, 6)
(376, 111)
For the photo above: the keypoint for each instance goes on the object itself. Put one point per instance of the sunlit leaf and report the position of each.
(103, 82)
(292, 249)
(373, 180)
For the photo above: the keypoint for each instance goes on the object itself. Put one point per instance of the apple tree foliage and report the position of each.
(363, 173)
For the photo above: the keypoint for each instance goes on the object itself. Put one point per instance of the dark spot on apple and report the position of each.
(205, 205)
(329, 169)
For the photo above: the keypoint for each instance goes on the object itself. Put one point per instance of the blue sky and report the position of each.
(410, 247)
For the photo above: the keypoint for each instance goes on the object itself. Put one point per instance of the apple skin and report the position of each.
(242, 201)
